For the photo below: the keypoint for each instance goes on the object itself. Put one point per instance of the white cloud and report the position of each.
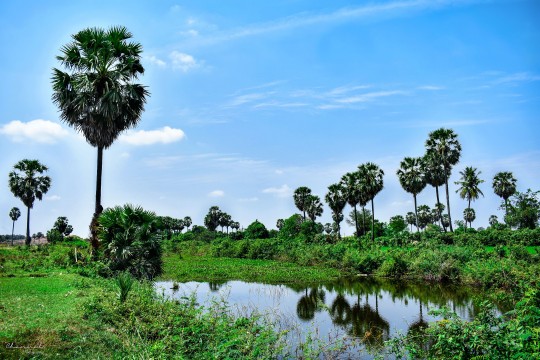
(430, 87)
(216, 193)
(41, 131)
(369, 96)
(125, 155)
(156, 61)
(165, 135)
(190, 32)
(282, 191)
(517, 77)
(52, 198)
(183, 62)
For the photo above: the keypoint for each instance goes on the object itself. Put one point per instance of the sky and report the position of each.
(250, 100)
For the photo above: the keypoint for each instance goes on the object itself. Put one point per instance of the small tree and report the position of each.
(279, 224)
(256, 230)
(469, 215)
(211, 220)
(62, 226)
(301, 199)
(27, 183)
(14, 214)
(524, 210)
(187, 222)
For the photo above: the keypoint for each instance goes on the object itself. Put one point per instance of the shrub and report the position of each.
(54, 236)
(130, 240)
(256, 230)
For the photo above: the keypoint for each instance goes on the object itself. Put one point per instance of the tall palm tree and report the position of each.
(98, 95)
(469, 185)
(336, 201)
(14, 214)
(412, 179)
(444, 147)
(301, 198)
(26, 183)
(314, 207)
(504, 185)
(435, 176)
(371, 177)
(351, 183)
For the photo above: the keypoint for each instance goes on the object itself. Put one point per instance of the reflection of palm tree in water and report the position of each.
(340, 311)
(419, 325)
(215, 286)
(310, 303)
(368, 325)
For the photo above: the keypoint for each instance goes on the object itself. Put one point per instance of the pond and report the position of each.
(360, 313)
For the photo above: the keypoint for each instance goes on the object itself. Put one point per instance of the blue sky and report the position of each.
(250, 100)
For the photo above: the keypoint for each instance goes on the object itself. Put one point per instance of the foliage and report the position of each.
(124, 281)
(301, 197)
(131, 241)
(256, 230)
(211, 220)
(524, 210)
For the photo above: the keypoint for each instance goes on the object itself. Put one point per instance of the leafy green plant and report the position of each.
(124, 281)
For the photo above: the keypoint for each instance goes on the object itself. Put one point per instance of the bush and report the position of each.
(130, 241)
(256, 230)
(54, 236)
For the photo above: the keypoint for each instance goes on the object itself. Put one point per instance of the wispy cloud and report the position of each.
(165, 135)
(431, 87)
(371, 96)
(444, 123)
(216, 193)
(40, 131)
(52, 198)
(282, 191)
(517, 78)
(183, 62)
(156, 61)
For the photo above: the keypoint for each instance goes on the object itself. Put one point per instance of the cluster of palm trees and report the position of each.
(216, 217)
(174, 226)
(355, 188)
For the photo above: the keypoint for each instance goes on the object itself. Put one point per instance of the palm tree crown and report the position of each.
(336, 200)
(314, 207)
(301, 198)
(412, 178)
(26, 183)
(469, 184)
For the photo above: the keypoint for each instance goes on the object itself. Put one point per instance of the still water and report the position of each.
(361, 312)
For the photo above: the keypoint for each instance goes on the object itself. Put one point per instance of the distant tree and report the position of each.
(352, 186)
(493, 220)
(364, 214)
(98, 95)
(301, 198)
(68, 231)
(336, 200)
(469, 215)
(211, 220)
(256, 230)
(424, 216)
(291, 227)
(445, 220)
(443, 146)
(328, 228)
(279, 223)
(469, 185)
(504, 185)
(314, 207)
(435, 176)
(38, 235)
(14, 214)
(225, 220)
(177, 225)
(412, 179)
(411, 219)
(235, 225)
(26, 184)
(371, 178)
(396, 224)
(524, 210)
(61, 225)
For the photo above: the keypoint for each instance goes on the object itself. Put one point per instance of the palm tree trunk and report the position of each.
(470, 222)
(372, 222)
(356, 222)
(12, 232)
(416, 214)
(363, 220)
(27, 241)
(448, 198)
(439, 210)
(98, 209)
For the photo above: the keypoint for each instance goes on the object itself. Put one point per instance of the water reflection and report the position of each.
(368, 310)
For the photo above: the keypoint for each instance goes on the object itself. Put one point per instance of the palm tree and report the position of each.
(301, 197)
(371, 177)
(469, 185)
(14, 214)
(469, 216)
(435, 176)
(279, 223)
(98, 96)
(314, 207)
(336, 201)
(26, 184)
(504, 185)
(411, 219)
(444, 147)
(412, 179)
(187, 222)
(351, 183)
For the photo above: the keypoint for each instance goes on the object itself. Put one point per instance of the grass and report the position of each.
(196, 268)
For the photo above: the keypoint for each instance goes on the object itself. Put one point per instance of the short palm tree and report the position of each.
(444, 147)
(469, 216)
(412, 179)
(187, 222)
(371, 177)
(410, 218)
(301, 198)
(314, 207)
(469, 185)
(435, 176)
(26, 183)
(14, 214)
(504, 185)
(336, 200)
(98, 95)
